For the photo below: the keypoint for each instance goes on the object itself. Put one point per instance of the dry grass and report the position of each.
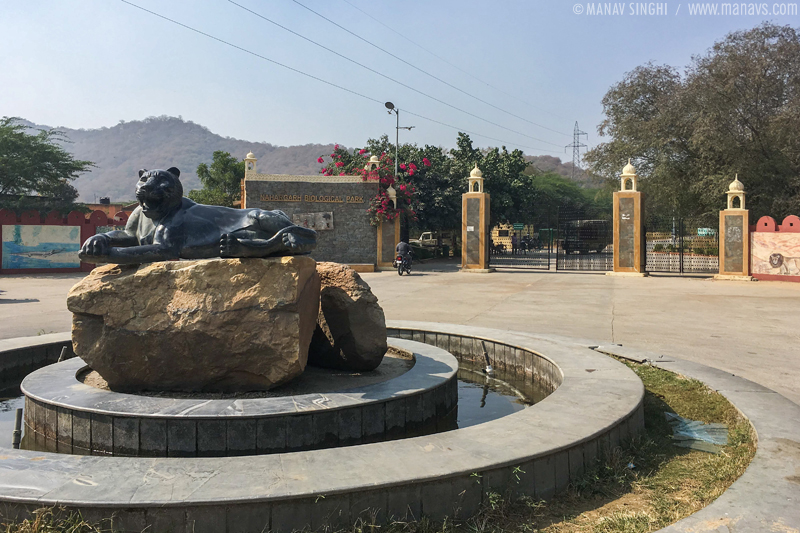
(55, 520)
(666, 484)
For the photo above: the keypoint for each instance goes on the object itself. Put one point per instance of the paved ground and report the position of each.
(747, 328)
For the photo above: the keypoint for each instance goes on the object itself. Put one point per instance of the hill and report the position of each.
(549, 163)
(162, 142)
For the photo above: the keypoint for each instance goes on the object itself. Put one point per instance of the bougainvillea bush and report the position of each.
(357, 163)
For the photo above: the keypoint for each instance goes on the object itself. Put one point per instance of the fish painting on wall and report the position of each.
(39, 246)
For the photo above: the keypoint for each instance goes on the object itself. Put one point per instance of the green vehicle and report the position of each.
(585, 236)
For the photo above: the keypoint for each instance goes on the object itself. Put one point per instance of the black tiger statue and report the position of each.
(166, 226)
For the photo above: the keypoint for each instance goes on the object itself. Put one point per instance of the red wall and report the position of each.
(767, 239)
(88, 224)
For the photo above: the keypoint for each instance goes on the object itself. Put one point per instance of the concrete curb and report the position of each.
(537, 451)
(766, 498)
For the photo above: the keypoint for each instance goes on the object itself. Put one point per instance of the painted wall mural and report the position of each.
(39, 246)
(775, 253)
(775, 249)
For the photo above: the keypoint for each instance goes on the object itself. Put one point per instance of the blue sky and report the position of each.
(92, 63)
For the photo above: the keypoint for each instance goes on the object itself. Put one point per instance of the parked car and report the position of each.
(427, 240)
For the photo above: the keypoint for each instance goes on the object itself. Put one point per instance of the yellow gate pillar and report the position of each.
(734, 236)
(475, 225)
(629, 246)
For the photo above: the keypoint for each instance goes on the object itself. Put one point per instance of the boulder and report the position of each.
(351, 328)
(212, 325)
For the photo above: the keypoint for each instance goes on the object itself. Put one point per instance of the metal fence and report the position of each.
(681, 245)
(532, 250)
(584, 243)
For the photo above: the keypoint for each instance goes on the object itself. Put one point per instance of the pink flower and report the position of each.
(361, 151)
(413, 166)
(341, 173)
(411, 172)
(426, 161)
(402, 166)
(339, 164)
(320, 160)
(336, 147)
(402, 187)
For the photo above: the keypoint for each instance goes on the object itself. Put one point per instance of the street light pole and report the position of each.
(390, 106)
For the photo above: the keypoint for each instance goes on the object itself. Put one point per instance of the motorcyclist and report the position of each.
(403, 249)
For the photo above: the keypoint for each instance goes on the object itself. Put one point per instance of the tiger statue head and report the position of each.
(159, 192)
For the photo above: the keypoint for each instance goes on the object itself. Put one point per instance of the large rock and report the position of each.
(351, 330)
(210, 325)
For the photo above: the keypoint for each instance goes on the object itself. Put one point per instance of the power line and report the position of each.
(389, 77)
(297, 71)
(434, 54)
(432, 76)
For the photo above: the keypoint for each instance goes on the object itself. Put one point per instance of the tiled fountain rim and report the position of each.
(596, 399)
(57, 385)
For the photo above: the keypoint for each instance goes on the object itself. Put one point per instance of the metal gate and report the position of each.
(681, 245)
(520, 246)
(584, 243)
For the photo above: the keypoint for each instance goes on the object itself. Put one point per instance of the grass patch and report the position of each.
(667, 483)
(55, 520)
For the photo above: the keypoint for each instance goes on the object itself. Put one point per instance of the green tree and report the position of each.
(735, 110)
(222, 181)
(36, 165)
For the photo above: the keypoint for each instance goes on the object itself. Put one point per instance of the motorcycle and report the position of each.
(402, 264)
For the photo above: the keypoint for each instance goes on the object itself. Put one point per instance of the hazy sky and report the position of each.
(92, 63)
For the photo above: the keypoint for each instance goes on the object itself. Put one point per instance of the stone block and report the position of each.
(350, 423)
(102, 434)
(562, 470)
(64, 426)
(128, 521)
(152, 437)
(291, 515)
(395, 419)
(241, 436)
(331, 513)
(414, 414)
(437, 500)
(166, 519)
(326, 429)
(544, 475)
(368, 508)
(271, 434)
(300, 433)
(496, 481)
(403, 503)
(81, 430)
(181, 438)
(248, 518)
(50, 422)
(467, 494)
(523, 478)
(206, 519)
(372, 423)
(590, 455)
(576, 462)
(211, 438)
(126, 436)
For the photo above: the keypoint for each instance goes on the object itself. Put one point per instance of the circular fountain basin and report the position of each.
(410, 395)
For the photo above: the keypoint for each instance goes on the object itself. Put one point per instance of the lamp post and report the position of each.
(390, 106)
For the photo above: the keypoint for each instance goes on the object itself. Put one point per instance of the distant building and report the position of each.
(111, 209)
